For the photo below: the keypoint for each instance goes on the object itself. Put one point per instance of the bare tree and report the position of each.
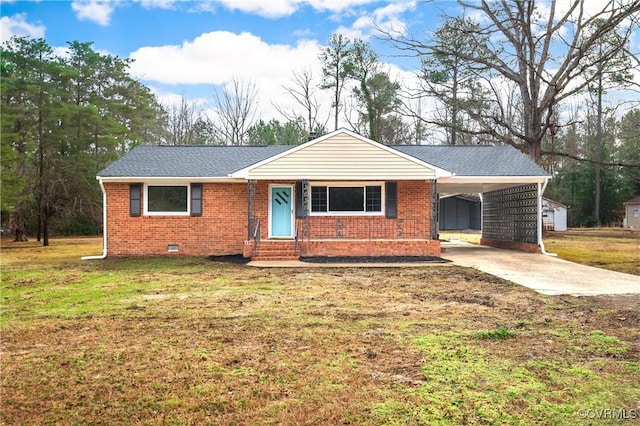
(236, 110)
(180, 120)
(302, 91)
(542, 52)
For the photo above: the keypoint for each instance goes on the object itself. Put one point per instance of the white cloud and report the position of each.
(157, 4)
(94, 10)
(217, 57)
(268, 9)
(17, 25)
(62, 52)
(386, 19)
(302, 33)
(280, 8)
(173, 100)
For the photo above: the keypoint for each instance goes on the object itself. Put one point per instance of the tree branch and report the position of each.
(590, 160)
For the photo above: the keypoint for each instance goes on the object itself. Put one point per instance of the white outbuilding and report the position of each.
(554, 215)
(632, 213)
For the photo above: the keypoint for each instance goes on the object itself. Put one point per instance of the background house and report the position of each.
(632, 213)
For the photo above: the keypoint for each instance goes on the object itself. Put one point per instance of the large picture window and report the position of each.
(167, 199)
(346, 199)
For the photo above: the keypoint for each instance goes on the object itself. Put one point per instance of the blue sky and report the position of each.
(188, 48)
(191, 48)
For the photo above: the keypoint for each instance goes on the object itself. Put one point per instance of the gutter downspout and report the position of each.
(104, 226)
(540, 242)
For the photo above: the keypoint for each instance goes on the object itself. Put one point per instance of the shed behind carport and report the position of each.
(554, 215)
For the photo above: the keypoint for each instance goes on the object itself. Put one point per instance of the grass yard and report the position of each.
(616, 249)
(188, 341)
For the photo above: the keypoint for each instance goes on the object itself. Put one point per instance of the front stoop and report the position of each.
(276, 250)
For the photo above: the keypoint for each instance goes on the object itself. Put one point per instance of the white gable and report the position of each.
(342, 155)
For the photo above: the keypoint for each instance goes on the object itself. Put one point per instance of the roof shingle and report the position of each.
(188, 161)
(475, 160)
(220, 161)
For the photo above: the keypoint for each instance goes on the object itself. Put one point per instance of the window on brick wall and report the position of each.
(167, 199)
(347, 198)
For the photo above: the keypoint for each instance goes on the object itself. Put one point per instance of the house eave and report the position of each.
(493, 179)
(481, 184)
(193, 179)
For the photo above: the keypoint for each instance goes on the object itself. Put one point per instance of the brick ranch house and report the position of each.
(337, 195)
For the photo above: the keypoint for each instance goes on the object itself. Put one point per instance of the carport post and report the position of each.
(541, 187)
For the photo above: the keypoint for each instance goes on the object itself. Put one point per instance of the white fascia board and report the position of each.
(193, 179)
(481, 184)
(493, 179)
(244, 173)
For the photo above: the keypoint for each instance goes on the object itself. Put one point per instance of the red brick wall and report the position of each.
(414, 211)
(351, 235)
(220, 230)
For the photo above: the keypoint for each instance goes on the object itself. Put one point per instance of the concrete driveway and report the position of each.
(544, 274)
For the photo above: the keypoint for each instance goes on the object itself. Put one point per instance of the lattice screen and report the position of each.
(511, 214)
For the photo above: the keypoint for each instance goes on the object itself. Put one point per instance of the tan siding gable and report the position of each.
(342, 157)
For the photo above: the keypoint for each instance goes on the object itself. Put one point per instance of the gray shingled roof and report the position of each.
(221, 161)
(475, 160)
(188, 161)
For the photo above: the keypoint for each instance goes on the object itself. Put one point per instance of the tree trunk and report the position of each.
(454, 108)
(18, 228)
(535, 150)
(45, 229)
(596, 210)
(337, 107)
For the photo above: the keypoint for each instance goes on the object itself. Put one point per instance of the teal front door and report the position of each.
(281, 201)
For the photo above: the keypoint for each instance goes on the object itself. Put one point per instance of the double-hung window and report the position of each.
(347, 198)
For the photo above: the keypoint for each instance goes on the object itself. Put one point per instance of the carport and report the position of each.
(510, 186)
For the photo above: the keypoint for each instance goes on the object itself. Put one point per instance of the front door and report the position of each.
(281, 211)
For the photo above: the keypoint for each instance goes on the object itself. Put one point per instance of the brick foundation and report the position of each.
(371, 248)
(510, 245)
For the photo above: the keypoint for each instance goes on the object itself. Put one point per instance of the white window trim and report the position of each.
(146, 199)
(381, 184)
